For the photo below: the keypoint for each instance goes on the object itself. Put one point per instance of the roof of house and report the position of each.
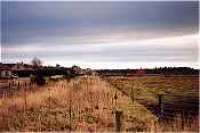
(4, 68)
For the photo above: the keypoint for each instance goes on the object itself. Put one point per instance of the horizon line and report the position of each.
(107, 67)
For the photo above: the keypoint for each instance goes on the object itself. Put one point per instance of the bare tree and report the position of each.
(36, 62)
(39, 77)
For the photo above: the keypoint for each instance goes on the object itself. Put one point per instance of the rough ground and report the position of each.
(83, 104)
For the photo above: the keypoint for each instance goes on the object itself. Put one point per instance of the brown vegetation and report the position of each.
(82, 104)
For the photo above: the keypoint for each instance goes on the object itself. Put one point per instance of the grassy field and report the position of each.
(83, 104)
(90, 103)
(179, 94)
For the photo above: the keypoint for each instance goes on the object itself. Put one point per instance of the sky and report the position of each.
(101, 34)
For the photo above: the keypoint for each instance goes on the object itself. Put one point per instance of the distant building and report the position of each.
(14, 70)
(5, 72)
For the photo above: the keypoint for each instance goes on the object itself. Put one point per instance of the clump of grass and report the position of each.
(178, 124)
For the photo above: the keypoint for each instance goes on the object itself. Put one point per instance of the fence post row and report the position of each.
(118, 116)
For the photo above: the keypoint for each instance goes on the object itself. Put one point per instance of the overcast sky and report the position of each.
(101, 34)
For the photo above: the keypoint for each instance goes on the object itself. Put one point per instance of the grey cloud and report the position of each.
(26, 22)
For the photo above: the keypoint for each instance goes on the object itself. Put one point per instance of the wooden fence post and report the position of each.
(118, 115)
(25, 99)
(70, 109)
(9, 85)
(49, 108)
(25, 107)
(18, 85)
(132, 95)
(182, 120)
(160, 105)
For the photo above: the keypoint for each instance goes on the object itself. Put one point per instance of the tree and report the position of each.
(57, 65)
(39, 77)
(36, 62)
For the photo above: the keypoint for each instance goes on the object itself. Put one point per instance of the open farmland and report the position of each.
(179, 94)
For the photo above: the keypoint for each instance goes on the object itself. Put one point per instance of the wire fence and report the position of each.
(10, 87)
(172, 104)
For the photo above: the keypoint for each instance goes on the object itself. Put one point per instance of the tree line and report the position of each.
(160, 70)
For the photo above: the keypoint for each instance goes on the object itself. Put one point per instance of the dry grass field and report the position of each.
(90, 103)
(179, 95)
(83, 104)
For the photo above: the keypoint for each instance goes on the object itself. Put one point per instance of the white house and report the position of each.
(5, 72)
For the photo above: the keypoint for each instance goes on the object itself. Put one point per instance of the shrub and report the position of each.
(38, 78)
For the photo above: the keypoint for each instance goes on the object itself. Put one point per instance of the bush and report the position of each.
(38, 79)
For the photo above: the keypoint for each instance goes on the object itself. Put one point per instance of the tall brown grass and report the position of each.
(82, 104)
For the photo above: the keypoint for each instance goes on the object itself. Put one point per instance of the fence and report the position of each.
(168, 106)
(10, 87)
